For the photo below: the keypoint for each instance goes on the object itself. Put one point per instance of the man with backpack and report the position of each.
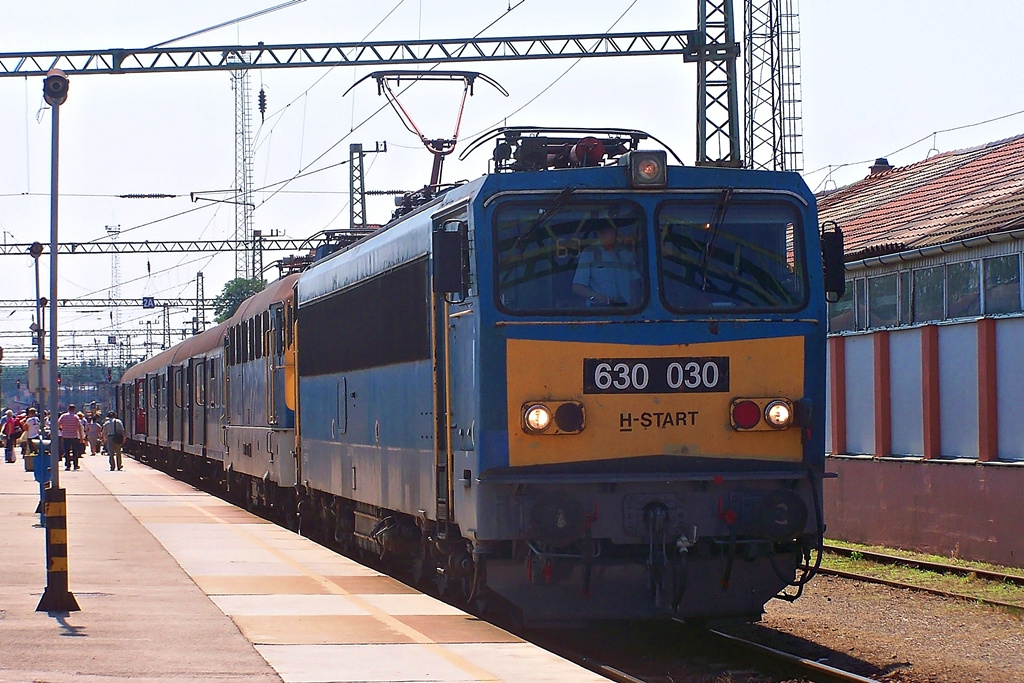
(113, 435)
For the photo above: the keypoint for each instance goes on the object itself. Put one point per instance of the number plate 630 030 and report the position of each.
(685, 375)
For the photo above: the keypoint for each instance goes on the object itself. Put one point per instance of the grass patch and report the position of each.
(912, 555)
(970, 585)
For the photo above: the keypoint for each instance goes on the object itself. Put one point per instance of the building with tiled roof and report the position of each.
(962, 210)
(926, 355)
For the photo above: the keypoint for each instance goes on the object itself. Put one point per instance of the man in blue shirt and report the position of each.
(606, 273)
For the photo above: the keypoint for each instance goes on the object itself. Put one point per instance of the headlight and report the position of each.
(537, 418)
(778, 414)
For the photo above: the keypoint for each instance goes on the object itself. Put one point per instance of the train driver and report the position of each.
(606, 273)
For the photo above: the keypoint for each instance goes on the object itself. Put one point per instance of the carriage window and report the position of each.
(571, 256)
(250, 339)
(278, 331)
(199, 383)
(257, 336)
(289, 320)
(739, 256)
(177, 388)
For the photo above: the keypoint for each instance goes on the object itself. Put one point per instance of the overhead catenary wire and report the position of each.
(557, 78)
(382, 108)
(831, 168)
(230, 22)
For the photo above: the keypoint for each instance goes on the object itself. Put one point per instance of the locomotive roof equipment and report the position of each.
(439, 147)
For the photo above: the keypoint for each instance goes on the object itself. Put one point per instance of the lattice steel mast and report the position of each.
(244, 266)
(773, 139)
(718, 115)
(115, 282)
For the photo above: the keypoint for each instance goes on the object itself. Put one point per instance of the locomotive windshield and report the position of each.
(721, 256)
(563, 256)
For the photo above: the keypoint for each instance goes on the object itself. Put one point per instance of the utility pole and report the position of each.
(257, 255)
(357, 183)
(201, 298)
(167, 328)
(149, 337)
(36, 250)
(356, 187)
(57, 597)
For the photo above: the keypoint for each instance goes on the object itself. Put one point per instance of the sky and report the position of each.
(877, 76)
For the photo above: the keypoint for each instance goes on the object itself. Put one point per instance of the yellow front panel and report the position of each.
(637, 424)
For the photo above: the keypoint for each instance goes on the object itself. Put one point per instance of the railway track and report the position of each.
(746, 655)
(938, 567)
(777, 660)
(941, 568)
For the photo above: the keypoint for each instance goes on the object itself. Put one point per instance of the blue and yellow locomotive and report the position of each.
(586, 385)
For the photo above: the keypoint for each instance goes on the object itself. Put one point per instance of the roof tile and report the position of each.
(945, 198)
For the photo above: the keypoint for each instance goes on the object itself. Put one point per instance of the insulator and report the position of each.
(262, 100)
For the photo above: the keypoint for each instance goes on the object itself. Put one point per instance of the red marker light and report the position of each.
(648, 169)
(746, 414)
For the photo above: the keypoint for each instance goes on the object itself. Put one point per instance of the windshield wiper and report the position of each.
(562, 197)
(709, 241)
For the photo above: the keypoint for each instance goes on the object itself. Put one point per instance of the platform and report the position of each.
(175, 584)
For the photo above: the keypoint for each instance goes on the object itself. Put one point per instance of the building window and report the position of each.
(906, 296)
(860, 298)
(1002, 284)
(882, 301)
(929, 294)
(840, 313)
(963, 290)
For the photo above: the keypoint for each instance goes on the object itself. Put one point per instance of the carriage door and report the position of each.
(140, 406)
(273, 348)
(202, 399)
(169, 398)
(188, 402)
(450, 251)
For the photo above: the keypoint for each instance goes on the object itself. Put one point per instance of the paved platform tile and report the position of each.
(318, 630)
(372, 585)
(461, 628)
(291, 605)
(260, 585)
(370, 663)
(414, 604)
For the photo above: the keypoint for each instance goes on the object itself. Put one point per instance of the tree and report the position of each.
(234, 293)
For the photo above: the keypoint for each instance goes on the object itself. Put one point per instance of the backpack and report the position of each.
(118, 435)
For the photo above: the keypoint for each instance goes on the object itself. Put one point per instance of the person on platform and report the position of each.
(92, 434)
(80, 446)
(69, 427)
(32, 431)
(10, 430)
(113, 436)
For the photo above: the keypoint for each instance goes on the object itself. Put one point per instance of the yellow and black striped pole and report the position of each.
(57, 597)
